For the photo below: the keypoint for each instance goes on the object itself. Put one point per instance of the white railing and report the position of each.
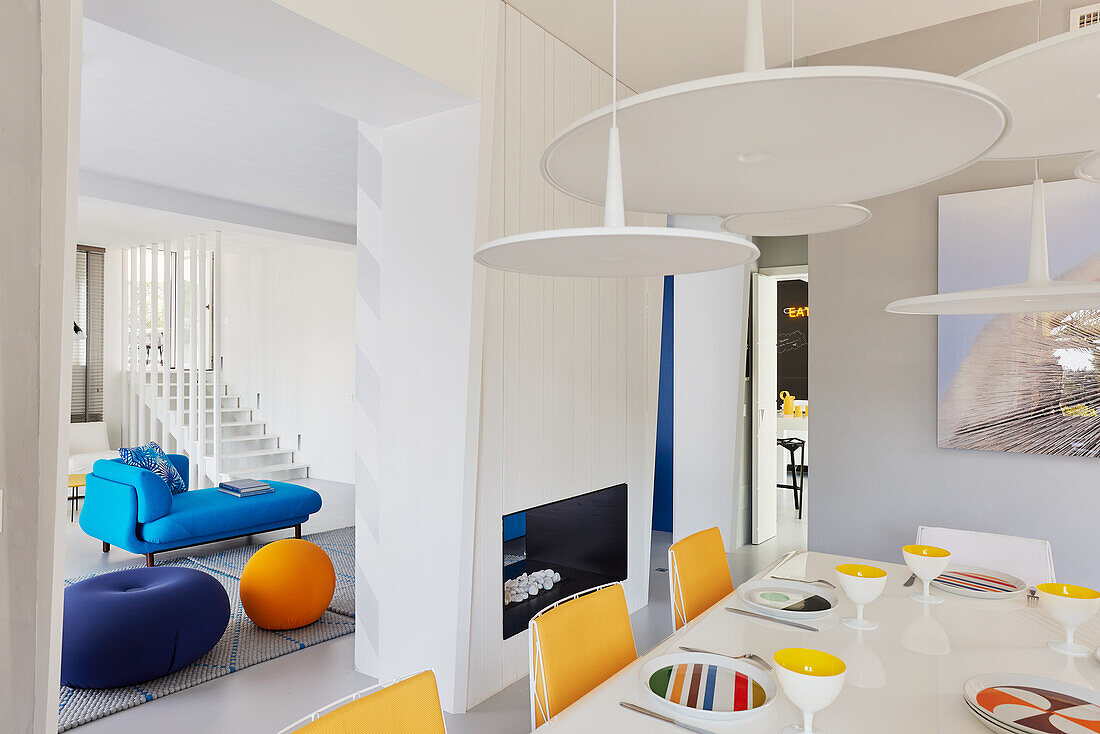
(172, 342)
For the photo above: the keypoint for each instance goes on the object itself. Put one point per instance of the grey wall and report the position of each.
(877, 473)
(777, 252)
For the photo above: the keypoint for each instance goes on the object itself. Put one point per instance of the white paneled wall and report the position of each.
(569, 373)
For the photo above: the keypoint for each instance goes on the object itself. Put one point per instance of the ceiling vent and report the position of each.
(1085, 17)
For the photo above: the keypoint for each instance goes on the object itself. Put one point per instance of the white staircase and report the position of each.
(247, 449)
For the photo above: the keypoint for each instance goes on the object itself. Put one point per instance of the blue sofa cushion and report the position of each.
(150, 456)
(154, 499)
(206, 512)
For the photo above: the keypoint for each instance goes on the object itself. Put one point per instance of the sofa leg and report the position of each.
(148, 559)
(106, 547)
(297, 531)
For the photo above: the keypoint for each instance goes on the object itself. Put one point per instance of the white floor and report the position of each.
(264, 698)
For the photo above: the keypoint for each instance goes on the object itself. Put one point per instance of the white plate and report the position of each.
(770, 596)
(720, 689)
(979, 583)
(990, 723)
(1034, 695)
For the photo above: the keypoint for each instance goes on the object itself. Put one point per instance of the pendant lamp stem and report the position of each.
(613, 210)
(1038, 270)
(754, 37)
(614, 214)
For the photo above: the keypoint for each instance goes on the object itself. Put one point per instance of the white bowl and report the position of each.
(862, 584)
(812, 679)
(1071, 606)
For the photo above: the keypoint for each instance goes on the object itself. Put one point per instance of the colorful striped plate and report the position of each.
(979, 583)
(1028, 704)
(708, 686)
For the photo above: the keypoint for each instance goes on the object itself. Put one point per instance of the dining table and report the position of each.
(905, 676)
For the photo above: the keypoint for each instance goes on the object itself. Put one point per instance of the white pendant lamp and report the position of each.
(800, 221)
(1051, 87)
(768, 140)
(1089, 168)
(1039, 293)
(616, 250)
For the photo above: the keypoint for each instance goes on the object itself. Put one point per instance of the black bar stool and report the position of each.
(796, 468)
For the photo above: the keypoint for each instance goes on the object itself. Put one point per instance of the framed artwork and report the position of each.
(1026, 383)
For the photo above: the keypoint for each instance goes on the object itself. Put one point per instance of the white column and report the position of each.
(216, 320)
(204, 354)
(154, 368)
(193, 449)
(178, 253)
(143, 341)
(40, 78)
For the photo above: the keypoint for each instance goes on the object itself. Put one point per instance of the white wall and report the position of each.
(288, 333)
(39, 51)
(877, 473)
(414, 489)
(569, 380)
(710, 350)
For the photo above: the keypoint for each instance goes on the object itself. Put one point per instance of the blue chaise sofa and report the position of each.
(133, 508)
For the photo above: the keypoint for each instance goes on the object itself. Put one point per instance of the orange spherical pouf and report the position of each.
(287, 584)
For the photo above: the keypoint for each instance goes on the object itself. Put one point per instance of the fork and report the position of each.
(805, 581)
(747, 656)
(910, 581)
(1032, 597)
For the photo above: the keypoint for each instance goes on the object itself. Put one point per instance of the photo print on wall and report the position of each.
(1030, 382)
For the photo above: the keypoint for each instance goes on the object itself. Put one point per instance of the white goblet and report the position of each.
(812, 680)
(863, 584)
(1071, 606)
(927, 562)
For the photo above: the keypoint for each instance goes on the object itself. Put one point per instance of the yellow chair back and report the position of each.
(699, 576)
(575, 646)
(409, 706)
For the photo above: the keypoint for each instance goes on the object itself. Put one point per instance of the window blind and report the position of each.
(87, 392)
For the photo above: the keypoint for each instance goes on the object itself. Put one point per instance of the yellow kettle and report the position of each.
(788, 403)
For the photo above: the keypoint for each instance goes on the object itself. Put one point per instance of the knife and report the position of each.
(754, 615)
(662, 717)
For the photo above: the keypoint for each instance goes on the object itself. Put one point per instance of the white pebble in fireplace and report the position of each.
(525, 585)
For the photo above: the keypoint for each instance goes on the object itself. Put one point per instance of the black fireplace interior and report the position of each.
(583, 538)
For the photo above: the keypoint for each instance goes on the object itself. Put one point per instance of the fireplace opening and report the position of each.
(561, 548)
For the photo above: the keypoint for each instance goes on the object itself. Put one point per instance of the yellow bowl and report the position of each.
(1068, 591)
(860, 571)
(927, 551)
(806, 661)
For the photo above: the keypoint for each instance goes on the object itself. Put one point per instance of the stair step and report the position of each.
(237, 439)
(236, 424)
(258, 452)
(259, 471)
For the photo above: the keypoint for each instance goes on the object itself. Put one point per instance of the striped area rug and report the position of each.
(243, 644)
(707, 687)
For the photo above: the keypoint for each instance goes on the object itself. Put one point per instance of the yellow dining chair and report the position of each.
(698, 575)
(576, 644)
(403, 706)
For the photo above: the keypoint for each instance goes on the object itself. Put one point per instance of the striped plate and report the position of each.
(981, 583)
(707, 686)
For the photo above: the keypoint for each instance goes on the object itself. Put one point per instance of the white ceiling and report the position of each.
(667, 41)
(157, 117)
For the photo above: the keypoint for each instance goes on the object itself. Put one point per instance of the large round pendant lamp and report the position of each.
(800, 221)
(1089, 168)
(1051, 87)
(616, 250)
(767, 140)
(1038, 294)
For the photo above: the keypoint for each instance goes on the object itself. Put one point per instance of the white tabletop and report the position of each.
(905, 676)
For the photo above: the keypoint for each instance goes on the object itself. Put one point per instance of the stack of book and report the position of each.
(245, 487)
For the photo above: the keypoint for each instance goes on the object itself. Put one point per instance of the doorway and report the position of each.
(780, 404)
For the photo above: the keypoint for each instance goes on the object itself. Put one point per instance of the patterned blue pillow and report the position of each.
(152, 457)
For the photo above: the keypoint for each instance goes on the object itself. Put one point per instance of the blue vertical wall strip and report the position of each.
(662, 468)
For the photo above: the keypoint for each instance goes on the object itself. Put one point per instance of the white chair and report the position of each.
(1026, 558)
(88, 444)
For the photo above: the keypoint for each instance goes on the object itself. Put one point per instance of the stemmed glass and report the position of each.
(927, 562)
(1071, 606)
(812, 680)
(863, 584)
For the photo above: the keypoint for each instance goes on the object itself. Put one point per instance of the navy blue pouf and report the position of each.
(131, 626)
